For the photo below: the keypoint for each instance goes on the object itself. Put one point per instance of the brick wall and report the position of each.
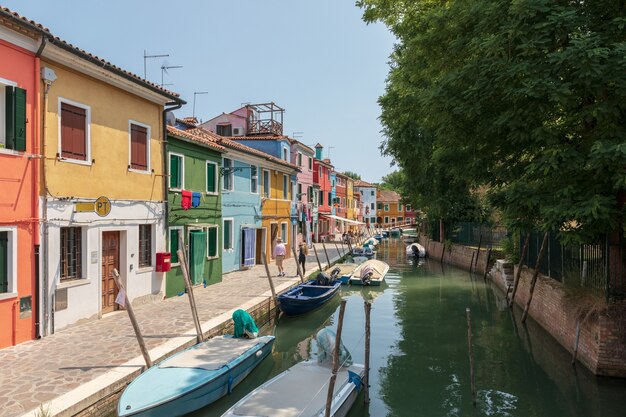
(457, 255)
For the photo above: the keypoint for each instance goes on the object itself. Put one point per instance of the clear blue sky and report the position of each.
(316, 58)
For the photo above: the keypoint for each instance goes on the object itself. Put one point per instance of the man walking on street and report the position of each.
(279, 254)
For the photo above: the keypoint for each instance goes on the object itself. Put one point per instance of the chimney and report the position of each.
(318, 151)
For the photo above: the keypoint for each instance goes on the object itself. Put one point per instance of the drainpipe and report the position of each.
(174, 105)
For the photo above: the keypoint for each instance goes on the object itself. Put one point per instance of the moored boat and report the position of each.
(371, 272)
(416, 250)
(193, 378)
(308, 296)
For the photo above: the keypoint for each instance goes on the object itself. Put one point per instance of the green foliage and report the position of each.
(524, 97)
(510, 248)
(394, 181)
(352, 175)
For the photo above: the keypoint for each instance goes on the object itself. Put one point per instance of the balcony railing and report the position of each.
(265, 127)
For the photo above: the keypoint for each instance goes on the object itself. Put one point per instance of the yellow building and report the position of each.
(277, 203)
(351, 214)
(102, 183)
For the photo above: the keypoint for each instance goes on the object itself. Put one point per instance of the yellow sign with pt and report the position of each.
(103, 206)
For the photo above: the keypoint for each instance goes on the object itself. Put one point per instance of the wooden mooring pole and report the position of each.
(338, 251)
(519, 270)
(336, 364)
(192, 301)
(300, 273)
(366, 381)
(471, 354)
(319, 264)
(535, 274)
(327, 258)
(487, 263)
(269, 278)
(576, 343)
(133, 320)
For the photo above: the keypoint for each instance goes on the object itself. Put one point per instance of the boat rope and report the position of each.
(230, 379)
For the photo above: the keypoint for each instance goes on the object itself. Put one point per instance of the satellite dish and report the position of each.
(170, 118)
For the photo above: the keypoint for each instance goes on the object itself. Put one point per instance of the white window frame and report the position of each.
(181, 229)
(299, 159)
(231, 174)
(217, 178)
(232, 235)
(285, 154)
(386, 219)
(217, 240)
(285, 187)
(284, 238)
(256, 177)
(12, 262)
(87, 131)
(399, 206)
(386, 207)
(148, 170)
(267, 191)
(182, 170)
(3, 127)
(152, 248)
(310, 163)
(320, 173)
(407, 207)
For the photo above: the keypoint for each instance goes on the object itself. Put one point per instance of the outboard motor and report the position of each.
(416, 251)
(326, 280)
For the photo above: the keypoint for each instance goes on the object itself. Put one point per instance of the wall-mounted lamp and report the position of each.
(228, 171)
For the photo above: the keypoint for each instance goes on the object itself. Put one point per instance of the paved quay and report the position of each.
(87, 361)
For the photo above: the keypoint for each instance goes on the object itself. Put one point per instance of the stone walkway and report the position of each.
(86, 361)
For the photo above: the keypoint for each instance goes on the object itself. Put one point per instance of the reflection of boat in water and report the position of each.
(368, 292)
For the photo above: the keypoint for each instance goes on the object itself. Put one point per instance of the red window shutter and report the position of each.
(138, 147)
(73, 132)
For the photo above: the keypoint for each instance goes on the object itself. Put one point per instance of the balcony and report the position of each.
(265, 119)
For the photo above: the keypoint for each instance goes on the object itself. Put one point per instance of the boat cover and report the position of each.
(213, 354)
(326, 339)
(244, 324)
(298, 392)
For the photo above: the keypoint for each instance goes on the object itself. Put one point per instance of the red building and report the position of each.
(321, 177)
(19, 162)
(341, 201)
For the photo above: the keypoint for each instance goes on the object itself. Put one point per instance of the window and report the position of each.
(399, 207)
(139, 146)
(212, 243)
(321, 202)
(372, 193)
(386, 207)
(285, 187)
(254, 179)
(380, 206)
(330, 199)
(145, 245)
(228, 174)
(310, 163)
(373, 220)
(299, 159)
(175, 234)
(283, 233)
(400, 219)
(224, 130)
(177, 171)
(74, 131)
(407, 207)
(12, 116)
(266, 183)
(321, 173)
(211, 177)
(71, 253)
(228, 234)
(386, 219)
(372, 206)
(309, 194)
(299, 196)
(285, 154)
(8, 260)
(343, 202)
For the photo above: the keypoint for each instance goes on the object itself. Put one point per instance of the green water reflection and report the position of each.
(419, 355)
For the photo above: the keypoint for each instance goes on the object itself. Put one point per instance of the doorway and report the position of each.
(110, 261)
(260, 245)
(273, 238)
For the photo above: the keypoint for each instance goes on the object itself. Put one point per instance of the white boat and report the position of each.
(370, 272)
(416, 250)
(301, 391)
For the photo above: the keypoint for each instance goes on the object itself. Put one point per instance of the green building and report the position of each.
(194, 207)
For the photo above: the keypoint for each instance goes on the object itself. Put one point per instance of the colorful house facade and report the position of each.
(368, 194)
(194, 209)
(19, 162)
(322, 177)
(103, 186)
(390, 208)
(302, 156)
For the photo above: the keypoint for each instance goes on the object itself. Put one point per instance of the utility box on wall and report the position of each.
(163, 261)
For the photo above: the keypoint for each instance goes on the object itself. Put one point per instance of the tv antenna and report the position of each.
(328, 153)
(195, 93)
(164, 68)
(146, 56)
(296, 135)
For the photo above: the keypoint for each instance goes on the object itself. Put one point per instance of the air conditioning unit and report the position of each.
(237, 131)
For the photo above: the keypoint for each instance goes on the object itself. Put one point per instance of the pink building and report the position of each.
(302, 156)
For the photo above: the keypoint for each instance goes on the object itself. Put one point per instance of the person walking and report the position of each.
(302, 253)
(279, 254)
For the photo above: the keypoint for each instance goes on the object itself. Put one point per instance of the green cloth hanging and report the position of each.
(244, 322)
(197, 258)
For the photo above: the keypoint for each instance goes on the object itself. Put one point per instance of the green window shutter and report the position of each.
(10, 116)
(4, 262)
(174, 245)
(227, 244)
(210, 178)
(20, 119)
(212, 232)
(174, 172)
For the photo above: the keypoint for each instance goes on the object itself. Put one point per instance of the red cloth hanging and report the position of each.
(186, 201)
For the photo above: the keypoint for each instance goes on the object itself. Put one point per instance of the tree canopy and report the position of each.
(352, 175)
(526, 98)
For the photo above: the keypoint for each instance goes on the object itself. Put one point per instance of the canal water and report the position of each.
(419, 359)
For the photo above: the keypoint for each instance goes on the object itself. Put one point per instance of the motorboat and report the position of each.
(416, 250)
(371, 272)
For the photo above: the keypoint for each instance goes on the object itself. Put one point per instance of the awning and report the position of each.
(341, 219)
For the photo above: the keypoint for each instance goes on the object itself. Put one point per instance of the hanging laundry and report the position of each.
(185, 203)
(195, 199)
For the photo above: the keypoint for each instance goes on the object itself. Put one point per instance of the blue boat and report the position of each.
(193, 378)
(308, 296)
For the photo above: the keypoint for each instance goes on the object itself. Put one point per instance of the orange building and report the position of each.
(19, 162)
(390, 209)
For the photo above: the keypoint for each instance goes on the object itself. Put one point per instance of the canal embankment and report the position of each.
(82, 369)
(579, 321)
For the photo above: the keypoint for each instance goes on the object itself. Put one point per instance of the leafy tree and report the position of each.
(394, 181)
(526, 97)
(352, 175)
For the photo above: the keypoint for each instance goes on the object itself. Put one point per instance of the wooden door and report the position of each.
(110, 261)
